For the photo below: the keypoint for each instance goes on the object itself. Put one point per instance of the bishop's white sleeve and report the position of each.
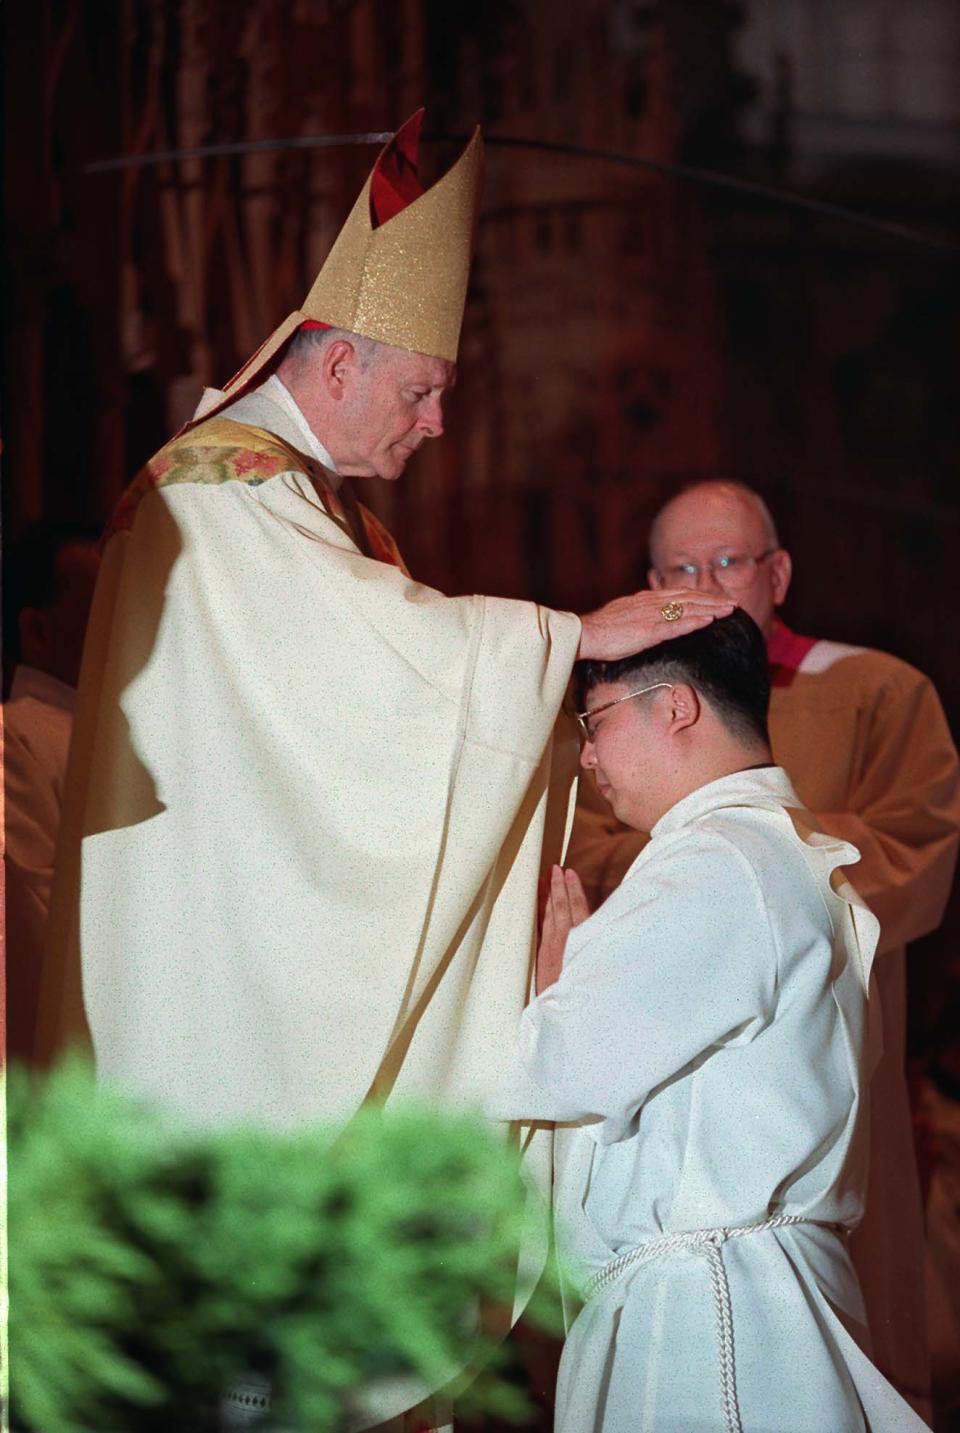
(680, 962)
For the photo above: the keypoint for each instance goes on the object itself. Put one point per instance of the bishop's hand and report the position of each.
(632, 624)
(566, 907)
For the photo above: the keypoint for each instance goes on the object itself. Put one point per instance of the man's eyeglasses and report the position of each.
(584, 719)
(731, 569)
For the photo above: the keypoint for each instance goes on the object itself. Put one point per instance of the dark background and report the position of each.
(625, 330)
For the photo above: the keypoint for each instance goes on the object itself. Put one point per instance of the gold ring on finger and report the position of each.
(671, 611)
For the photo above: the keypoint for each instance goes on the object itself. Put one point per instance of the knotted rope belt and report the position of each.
(708, 1242)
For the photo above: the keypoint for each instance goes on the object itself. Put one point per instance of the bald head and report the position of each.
(714, 520)
(690, 506)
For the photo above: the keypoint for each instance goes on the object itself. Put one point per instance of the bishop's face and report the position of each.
(393, 405)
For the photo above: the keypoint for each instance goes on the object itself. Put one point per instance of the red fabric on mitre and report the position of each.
(785, 653)
(395, 182)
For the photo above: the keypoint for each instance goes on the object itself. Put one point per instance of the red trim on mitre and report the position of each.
(785, 653)
(395, 182)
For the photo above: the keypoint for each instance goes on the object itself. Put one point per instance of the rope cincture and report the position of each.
(708, 1242)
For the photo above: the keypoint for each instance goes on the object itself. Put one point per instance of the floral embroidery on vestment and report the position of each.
(255, 461)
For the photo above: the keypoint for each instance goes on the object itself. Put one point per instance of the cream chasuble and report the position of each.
(867, 746)
(307, 803)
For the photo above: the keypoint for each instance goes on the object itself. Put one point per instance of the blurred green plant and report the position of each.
(150, 1267)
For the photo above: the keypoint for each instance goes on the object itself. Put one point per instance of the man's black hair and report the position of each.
(726, 663)
(30, 576)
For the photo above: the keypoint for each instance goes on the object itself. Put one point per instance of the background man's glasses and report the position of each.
(731, 570)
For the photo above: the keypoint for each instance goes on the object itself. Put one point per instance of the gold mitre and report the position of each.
(405, 282)
(399, 267)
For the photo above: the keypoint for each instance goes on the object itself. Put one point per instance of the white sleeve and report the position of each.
(681, 962)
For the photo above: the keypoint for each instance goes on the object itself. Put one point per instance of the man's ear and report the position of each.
(337, 361)
(685, 708)
(781, 570)
(653, 577)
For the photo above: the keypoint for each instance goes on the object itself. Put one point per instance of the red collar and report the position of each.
(785, 651)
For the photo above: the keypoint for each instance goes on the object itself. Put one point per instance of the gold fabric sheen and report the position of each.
(405, 283)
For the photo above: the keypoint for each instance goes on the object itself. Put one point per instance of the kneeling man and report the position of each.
(702, 1042)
